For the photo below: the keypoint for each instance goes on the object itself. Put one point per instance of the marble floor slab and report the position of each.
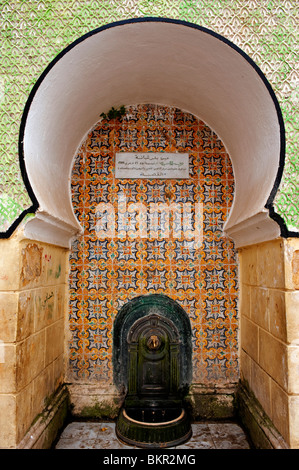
(91, 435)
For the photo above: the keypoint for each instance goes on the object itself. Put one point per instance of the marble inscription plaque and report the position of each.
(151, 165)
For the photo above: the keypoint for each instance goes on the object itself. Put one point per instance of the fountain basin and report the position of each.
(153, 427)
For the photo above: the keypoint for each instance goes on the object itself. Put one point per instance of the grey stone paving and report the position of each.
(90, 435)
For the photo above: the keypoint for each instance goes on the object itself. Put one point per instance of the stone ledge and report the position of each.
(203, 402)
(44, 431)
(206, 402)
(94, 401)
(259, 427)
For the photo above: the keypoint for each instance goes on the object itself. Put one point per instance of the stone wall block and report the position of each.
(43, 388)
(248, 264)
(45, 313)
(273, 357)
(54, 341)
(8, 316)
(245, 367)
(7, 422)
(31, 274)
(24, 410)
(292, 317)
(292, 264)
(8, 368)
(277, 314)
(58, 371)
(295, 269)
(293, 369)
(259, 300)
(270, 267)
(30, 358)
(61, 301)
(54, 265)
(280, 410)
(249, 338)
(25, 324)
(294, 421)
(9, 264)
(260, 385)
(245, 300)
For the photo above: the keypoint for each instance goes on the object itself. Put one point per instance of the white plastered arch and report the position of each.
(152, 61)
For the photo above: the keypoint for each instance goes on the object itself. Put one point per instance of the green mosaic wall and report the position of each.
(34, 32)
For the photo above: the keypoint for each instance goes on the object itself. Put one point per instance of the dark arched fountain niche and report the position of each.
(153, 369)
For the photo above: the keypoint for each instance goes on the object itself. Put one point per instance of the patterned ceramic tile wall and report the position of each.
(107, 272)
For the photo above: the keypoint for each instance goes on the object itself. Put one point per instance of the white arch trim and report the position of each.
(160, 61)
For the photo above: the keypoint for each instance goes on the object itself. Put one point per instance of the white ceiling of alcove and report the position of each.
(152, 62)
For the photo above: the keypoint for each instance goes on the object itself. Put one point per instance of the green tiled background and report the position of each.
(34, 32)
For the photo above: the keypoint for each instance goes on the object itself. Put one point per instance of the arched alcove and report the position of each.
(153, 60)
